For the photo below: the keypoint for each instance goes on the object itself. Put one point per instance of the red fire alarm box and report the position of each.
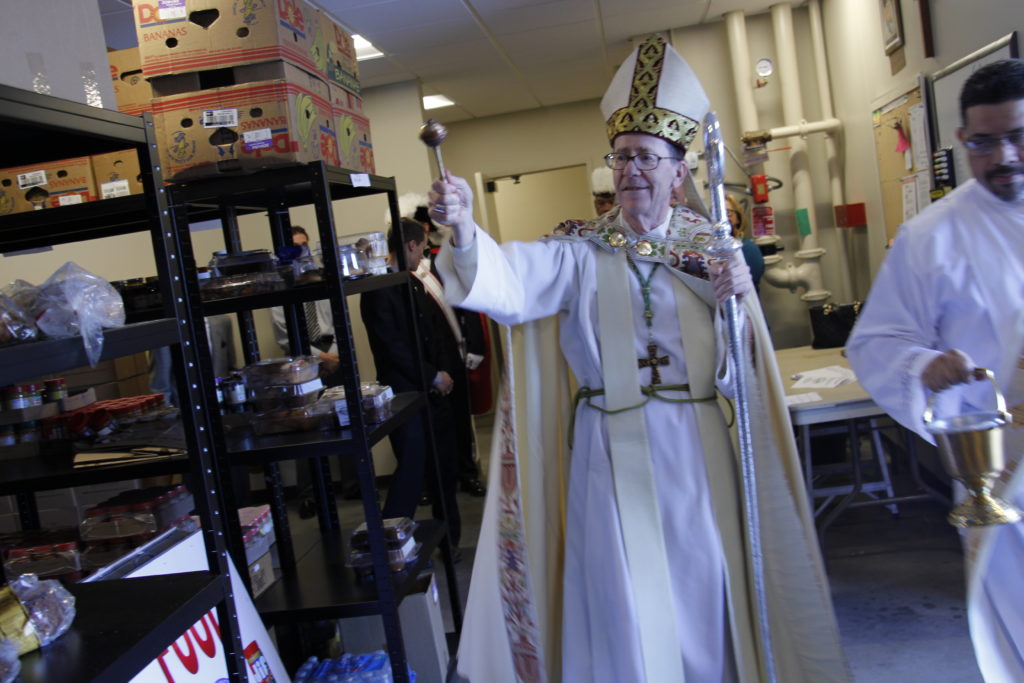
(759, 187)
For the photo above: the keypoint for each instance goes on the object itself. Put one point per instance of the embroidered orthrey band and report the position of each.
(681, 250)
(632, 472)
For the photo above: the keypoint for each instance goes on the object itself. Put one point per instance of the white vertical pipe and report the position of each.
(777, 275)
(831, 154)
(792, 111)
(736, 32)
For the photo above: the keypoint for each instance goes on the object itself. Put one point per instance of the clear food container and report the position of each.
(114, 522)
(47, 560)
(374, 247)
(398, 559)
(351, 261)
(241, 285)
(242, 263)
(376, 402)
(283, 396)
(297, 370)
(397, 531)
(307, 418)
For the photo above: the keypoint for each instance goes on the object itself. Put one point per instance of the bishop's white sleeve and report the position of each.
(896, 335)
(512, 283)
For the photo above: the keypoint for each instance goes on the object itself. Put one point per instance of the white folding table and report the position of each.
(848, 404)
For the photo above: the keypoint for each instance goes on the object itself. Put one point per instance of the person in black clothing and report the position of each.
(473, 349)
(394, 349)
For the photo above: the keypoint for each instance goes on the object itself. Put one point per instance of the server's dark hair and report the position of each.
(411, 232)
(993, 83)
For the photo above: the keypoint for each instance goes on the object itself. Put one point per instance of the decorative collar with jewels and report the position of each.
(682, 248)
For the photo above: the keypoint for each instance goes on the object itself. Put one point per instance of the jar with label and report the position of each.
(35, 394)
(234, 391)
(17, 396)
(56, 389)
(102, 423)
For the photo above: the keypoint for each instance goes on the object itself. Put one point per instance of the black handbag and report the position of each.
(831, 324)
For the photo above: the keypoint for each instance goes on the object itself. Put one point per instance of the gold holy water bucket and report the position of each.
(971, 448)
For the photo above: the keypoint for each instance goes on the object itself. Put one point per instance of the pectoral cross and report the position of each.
(652, 361)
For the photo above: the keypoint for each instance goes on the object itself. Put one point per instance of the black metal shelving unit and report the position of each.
(316, 585)
(112, 638)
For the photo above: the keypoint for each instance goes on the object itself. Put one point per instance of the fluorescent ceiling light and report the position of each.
(436, 101)
(364, 49)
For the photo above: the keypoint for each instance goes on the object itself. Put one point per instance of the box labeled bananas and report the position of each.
(242, 118)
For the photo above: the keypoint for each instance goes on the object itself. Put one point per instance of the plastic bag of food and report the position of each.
(34, 613)
(15, 323)
(23, 294)
(75, 302)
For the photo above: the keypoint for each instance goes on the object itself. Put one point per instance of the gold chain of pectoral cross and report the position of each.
(653, 360)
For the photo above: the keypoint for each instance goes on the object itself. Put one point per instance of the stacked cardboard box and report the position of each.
(131, 89)
(117, 174)
(276, 114)
(250, 85)
(46, 185)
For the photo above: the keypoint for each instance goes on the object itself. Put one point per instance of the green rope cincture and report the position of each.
(650, 391)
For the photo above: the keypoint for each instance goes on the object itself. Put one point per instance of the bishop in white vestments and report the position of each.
(650, 578)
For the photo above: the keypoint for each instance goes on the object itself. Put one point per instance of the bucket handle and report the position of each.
(977, 374)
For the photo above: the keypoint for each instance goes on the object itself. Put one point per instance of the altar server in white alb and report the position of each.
(625, 561)
(950, 295)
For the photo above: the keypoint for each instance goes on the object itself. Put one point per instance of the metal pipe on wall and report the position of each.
(802, 129)
(736, 33)
(835, 178)
(788, 276)
(808, 272)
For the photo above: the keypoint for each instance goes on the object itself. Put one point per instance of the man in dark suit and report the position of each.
(469, 334)
(394, 347)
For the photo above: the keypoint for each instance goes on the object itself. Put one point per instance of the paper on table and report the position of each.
(809, 397)
(824, 378)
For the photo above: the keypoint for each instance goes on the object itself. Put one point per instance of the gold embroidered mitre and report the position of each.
(655, 92)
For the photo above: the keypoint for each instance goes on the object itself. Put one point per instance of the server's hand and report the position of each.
(952, 367)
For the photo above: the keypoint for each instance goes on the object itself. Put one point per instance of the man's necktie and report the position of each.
(312, 324)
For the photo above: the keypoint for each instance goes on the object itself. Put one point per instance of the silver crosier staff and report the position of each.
(723, 246)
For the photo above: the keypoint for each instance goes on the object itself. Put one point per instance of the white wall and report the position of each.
(530, 208)
(57, 48)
